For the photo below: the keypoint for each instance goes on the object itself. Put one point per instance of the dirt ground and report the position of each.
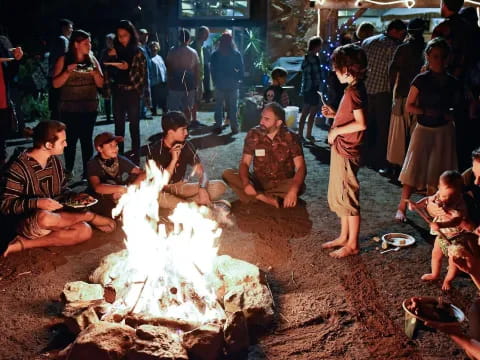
(326, 308)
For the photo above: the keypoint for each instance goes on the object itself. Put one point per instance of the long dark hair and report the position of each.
(77, 36)
(127, 26)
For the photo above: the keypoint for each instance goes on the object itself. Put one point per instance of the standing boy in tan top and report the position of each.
(345, 137)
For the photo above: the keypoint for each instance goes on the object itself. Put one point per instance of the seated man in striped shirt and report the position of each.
(32, 182)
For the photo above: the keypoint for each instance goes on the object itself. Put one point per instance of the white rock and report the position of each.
(81, 291)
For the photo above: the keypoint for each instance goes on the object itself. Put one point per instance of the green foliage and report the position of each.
(35, 109)
(263, 64)
(253, 41)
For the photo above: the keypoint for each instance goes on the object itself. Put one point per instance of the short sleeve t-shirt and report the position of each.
(272, 159)
(125, 167)
(354, 98)
(160, 153)
(436, 92)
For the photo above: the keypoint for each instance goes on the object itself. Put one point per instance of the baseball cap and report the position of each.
(106, 137)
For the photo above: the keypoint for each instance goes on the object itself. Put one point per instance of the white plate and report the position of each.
(81, 206)
(6, 59)
(398, 239)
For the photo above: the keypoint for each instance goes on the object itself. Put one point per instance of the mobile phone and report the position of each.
(321, 98)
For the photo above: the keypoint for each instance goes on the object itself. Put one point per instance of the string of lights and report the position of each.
(408, 3)
(473, 2)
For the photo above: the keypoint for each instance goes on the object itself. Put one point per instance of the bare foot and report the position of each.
(447, 285)
(429, 277)
(16, 245)
(343, 252)
(400, 216)
(338, 242)
(269, 200)
(103, 223)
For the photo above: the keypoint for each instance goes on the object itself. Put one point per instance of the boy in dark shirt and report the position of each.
(275, 92)
(109, 173)
(174, 154)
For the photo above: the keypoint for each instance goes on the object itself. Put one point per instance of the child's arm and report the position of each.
(139, 175)
(456, 221)
(101, 188)
(411, 104)
(420, 204)
(358, 124)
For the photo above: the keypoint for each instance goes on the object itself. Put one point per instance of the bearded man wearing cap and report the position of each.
(109, 173)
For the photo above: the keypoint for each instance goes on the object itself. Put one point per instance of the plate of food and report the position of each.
(433, 310)
(398, 239)
(80, 201)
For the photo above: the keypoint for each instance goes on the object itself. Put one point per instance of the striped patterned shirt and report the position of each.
(26, 181)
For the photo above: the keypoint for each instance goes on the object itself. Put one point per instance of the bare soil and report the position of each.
(326, 308)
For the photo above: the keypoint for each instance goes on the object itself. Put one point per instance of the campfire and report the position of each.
(168, 295)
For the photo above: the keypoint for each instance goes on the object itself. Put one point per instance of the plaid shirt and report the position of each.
(380, 50)
(138, 75)
(311, 75)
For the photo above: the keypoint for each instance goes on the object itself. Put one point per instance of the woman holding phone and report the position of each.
(130, 84)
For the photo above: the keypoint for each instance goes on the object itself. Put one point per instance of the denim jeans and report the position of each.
(79, 126)
(229, 97)
(127, 103)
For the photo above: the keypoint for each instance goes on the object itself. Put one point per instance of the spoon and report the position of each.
(394, 249)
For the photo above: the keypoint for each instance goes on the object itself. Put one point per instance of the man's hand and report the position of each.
(48, 204)
(17, 53)
(290, 200)
(448, 328)
(332, 135)
(203, 197)
(250, 190)
(175, 152)
(467, 263)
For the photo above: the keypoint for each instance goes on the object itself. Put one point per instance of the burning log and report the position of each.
(163, 285)
(135, 320)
